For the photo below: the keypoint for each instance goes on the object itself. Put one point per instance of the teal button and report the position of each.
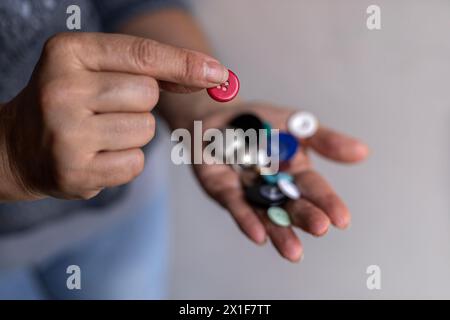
(267, 127)
(273, 178)
(279, 216)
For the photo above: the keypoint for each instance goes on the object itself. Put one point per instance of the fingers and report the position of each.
(223, 184)
(123, 53)
(284, 240)
(111, 169)
(119, 92)
(338, 147)
(120, 131)
(257, 226)
(308, 217)
(245, 216)
(176, 88)
(316, 190)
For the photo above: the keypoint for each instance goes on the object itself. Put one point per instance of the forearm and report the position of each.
(177, 28)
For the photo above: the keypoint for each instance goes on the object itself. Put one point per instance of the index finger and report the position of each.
(123, 53)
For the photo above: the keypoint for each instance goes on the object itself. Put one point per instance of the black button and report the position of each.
(262, 195)
(271, 192)
(247, 121)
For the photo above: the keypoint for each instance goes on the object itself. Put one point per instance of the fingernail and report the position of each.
(215, 72)
(321, 234)
(297, 259)
(343, 224)
(362, 151)
(261, 242)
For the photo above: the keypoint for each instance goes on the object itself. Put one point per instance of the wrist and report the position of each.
(5, 172)
(10, 189)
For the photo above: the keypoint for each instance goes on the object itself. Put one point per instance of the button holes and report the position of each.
(223, 86)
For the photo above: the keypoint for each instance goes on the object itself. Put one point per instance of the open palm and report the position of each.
(319, 205)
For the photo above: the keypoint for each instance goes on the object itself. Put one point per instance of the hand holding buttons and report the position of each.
(272, 191)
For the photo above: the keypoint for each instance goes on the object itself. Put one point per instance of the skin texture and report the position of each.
(79, 124)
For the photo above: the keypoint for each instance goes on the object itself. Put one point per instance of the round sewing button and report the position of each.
(274, 178)
(226, 91)
(287, 147)
(254, 195)
(268, 127)
(272, 193)
(289, 189)
(247, 121)
(279, 216)
(303, 124)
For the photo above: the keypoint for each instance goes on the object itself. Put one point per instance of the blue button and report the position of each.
(288, 146)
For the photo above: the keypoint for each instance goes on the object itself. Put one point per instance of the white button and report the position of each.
(289, 189)
(303, 124)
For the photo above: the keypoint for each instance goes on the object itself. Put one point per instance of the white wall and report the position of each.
(390, 88)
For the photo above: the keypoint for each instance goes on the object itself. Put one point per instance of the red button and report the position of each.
(226, 91)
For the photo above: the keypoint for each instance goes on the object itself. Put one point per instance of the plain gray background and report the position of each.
(391, 88)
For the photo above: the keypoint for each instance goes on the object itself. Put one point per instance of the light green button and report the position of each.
(279, 216)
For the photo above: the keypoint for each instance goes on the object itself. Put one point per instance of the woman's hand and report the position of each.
(79, 124)
(314, 212)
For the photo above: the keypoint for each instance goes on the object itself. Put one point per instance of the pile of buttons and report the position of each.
(271, 192)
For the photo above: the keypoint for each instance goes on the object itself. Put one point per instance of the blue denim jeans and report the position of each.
(127, 261)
